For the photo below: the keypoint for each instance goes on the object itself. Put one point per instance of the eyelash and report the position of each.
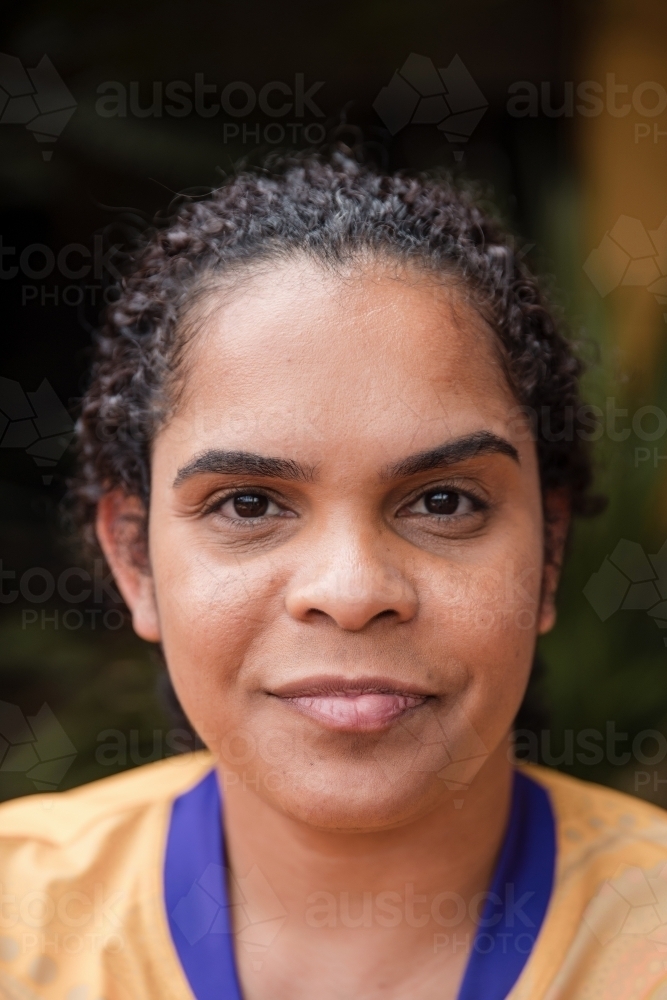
(218, 502)
(479, 505)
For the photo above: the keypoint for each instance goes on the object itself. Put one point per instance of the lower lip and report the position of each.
(364, 711)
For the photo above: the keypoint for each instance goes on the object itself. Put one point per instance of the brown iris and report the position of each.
(441, 502)
(250, 504)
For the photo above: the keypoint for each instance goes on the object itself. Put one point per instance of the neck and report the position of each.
(391, 891)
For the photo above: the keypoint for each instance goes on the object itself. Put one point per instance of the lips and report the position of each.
(351, 706)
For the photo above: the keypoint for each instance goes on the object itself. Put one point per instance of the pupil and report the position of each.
(250, 505)
(441, 502)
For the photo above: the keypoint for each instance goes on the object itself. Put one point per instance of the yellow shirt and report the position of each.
(83, 916)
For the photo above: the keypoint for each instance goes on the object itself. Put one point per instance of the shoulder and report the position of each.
(59, 818)
(592, 815)
(606, 925)
(81, 886)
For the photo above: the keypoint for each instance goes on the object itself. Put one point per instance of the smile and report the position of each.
(351, 706)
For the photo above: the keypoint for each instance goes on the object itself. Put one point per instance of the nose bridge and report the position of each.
(352, 576)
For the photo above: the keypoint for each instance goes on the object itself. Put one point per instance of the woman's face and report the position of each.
(345, 543)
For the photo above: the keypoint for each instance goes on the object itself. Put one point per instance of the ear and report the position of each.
(557, 517)
(121, 527)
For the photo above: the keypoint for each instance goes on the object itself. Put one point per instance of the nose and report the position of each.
(352, 581)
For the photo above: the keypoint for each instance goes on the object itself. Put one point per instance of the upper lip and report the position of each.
(329, 685)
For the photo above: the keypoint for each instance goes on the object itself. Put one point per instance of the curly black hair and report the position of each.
(334, 210)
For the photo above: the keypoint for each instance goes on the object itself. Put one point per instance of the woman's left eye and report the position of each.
(249, 505)
(442, 503)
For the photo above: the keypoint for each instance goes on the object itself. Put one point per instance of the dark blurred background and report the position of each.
(108, 112)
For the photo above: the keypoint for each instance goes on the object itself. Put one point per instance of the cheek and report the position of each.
(211, 611)
(485, 616)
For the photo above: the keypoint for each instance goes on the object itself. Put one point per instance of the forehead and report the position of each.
(376, 347)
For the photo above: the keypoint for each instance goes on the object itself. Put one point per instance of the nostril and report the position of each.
(351, 601)
(315, 614)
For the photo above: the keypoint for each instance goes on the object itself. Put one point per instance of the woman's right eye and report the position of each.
(249, 505)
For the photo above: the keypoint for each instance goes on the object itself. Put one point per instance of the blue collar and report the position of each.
(198, 911)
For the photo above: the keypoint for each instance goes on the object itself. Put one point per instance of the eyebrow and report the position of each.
(470, 446)
(248, 463)
(243, 463)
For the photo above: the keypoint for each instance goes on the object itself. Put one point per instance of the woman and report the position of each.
(331, 450)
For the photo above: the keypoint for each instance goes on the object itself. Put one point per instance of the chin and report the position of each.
(358, 799)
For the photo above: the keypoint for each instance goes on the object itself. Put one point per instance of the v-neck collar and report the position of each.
(195, 893)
